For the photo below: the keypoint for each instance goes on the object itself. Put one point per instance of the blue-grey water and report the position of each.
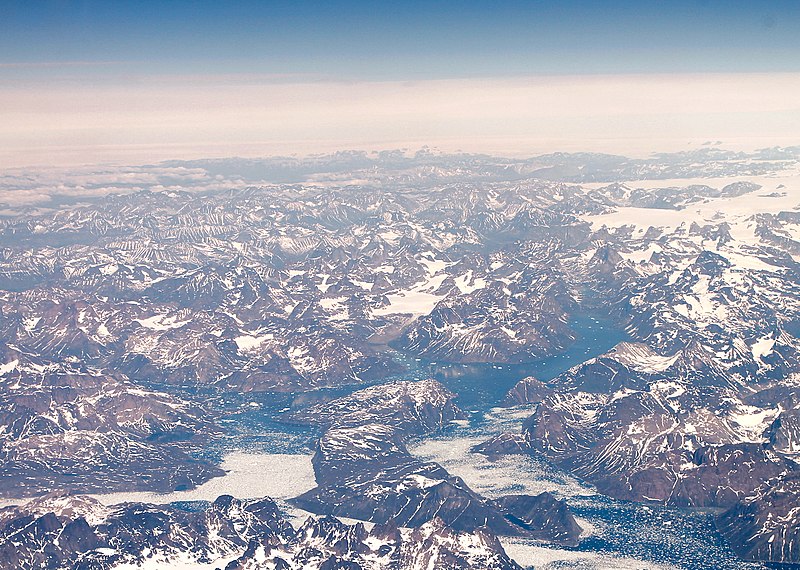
(481, 387)
(681, 538)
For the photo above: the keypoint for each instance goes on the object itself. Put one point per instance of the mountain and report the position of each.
(646, 427)
(76, 532)
(77, 428)
(232, 302)
(765, 525)
(364, 471)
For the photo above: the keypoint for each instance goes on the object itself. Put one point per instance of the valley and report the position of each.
(593, 358)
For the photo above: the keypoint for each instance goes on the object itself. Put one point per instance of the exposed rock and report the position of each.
(80, 430)
(647, 427)
(766, 525)
(364, 471)
(527, 391)
(239, 535)
(411, 407)
(546, 517)
(504, 444)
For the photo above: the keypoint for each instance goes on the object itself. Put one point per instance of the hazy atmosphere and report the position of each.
(84, 82)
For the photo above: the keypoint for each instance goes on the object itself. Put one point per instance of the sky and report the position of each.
(84, 81)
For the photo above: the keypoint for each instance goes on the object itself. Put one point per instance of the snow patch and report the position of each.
(466, 284)
(161, 322)
(248, 342)
(249, 476)
(762, 347)
(8, 367)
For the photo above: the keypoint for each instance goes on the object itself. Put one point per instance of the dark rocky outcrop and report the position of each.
(527, 391)
(546, 517)
(364, 471)
(766, 525)
(68, 533)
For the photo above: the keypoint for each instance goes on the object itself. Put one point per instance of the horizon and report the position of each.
(429, 284)
(85, 82)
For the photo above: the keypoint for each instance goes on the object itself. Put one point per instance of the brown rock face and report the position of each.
(766, 526)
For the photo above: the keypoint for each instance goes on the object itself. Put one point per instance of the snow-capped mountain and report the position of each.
(76, 532)
(646, 427)
(130, 322)
(67, 426)
(364, 471)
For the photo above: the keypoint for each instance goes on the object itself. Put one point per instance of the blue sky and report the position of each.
(433, 39)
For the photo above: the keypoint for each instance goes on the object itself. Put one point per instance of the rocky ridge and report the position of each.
(75, 532)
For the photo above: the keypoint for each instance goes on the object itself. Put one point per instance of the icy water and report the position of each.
(252, 420)
(481, 387)
(619, 535)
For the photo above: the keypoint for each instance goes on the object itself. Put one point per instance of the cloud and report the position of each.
(161, 118)
(21, 187)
